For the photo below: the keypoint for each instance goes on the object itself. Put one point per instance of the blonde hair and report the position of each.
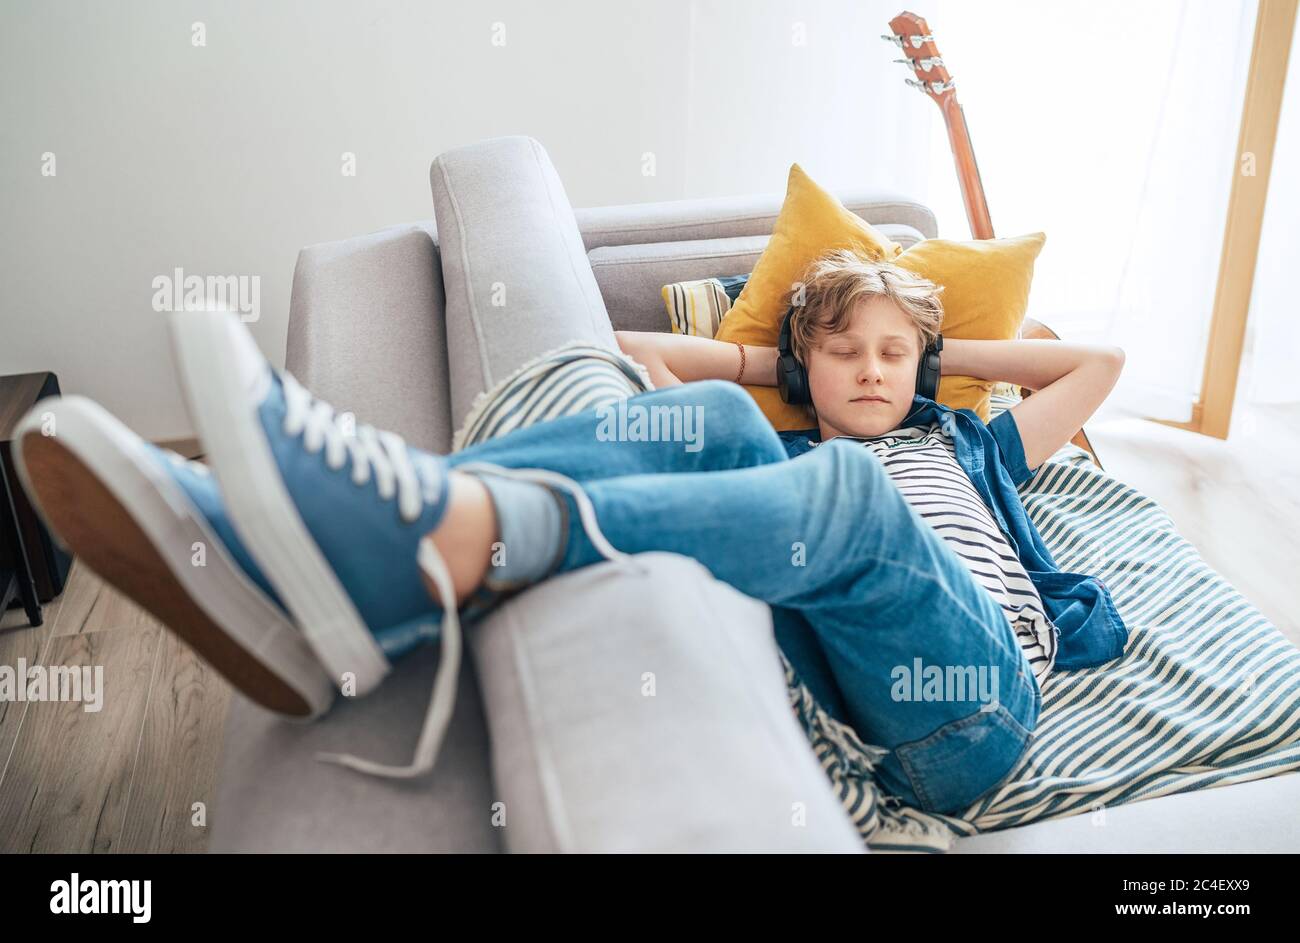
(836, 282)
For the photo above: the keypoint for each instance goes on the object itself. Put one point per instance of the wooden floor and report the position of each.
(129, 777)
(126, 778)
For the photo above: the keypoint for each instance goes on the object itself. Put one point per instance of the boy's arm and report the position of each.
(1069, 381)
(682, 358)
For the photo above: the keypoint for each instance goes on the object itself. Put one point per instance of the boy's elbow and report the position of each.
(1115, 357)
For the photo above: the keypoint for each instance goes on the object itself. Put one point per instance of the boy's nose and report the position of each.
(870, 373)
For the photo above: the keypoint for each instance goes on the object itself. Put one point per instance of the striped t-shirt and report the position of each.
(922, 462)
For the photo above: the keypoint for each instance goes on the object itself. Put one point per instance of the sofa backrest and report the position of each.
(636, 249)
(367, 320)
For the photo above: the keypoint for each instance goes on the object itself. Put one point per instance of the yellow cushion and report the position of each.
(986, 286)
(985, 294)
(812, 222)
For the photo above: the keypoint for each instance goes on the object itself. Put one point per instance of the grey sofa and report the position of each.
(555, 744)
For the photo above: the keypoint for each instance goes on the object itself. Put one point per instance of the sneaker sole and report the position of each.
(219, 367)
(107, 500)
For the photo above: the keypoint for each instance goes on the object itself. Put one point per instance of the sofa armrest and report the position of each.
(518, 282)
(727, 217)
(366, 331)
(653, 717)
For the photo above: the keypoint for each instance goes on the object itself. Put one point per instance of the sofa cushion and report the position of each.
(985, 296)
(1244, 818)
(696, 308)
(985, 286)
(514, 265)
(273, 795)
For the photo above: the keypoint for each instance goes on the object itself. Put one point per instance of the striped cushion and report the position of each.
(1206, 694)
(560, 382)
(697, 307)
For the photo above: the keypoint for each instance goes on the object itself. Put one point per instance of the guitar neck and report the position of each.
(968, 172)
(913, 36)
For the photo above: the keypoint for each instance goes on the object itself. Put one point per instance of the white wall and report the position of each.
(226, 159)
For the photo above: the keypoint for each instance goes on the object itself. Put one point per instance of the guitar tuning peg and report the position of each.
(916, 39)
(925, 65)
(938, 88)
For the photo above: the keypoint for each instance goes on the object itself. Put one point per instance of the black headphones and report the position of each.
(792, 377)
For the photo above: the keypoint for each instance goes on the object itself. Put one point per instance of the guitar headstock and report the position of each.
(912, 35)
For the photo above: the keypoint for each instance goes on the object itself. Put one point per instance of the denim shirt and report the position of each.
(993, 455)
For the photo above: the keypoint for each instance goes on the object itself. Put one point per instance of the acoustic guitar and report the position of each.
(920, 54)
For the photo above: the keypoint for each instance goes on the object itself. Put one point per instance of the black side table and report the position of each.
(33, 569)
(16, 580)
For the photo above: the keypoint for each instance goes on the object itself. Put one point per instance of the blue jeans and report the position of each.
(874, 611)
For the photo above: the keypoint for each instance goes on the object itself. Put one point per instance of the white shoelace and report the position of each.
(371, 451)
(384, 455)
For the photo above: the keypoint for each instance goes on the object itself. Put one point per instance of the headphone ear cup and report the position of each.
(792, 380)
(791, 377)
(799, 393)
(927, 372)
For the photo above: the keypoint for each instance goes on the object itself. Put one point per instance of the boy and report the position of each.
(332, 551)
(859, 335)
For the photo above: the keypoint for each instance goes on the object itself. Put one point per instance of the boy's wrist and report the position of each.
(956, 358)
(760, 368)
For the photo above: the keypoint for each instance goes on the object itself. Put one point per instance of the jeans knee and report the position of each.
(731, 414)
(724, 396)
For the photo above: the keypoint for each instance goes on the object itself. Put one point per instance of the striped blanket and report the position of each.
(1206, 694)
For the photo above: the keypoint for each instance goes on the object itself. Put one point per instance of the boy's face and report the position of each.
(863, 379)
